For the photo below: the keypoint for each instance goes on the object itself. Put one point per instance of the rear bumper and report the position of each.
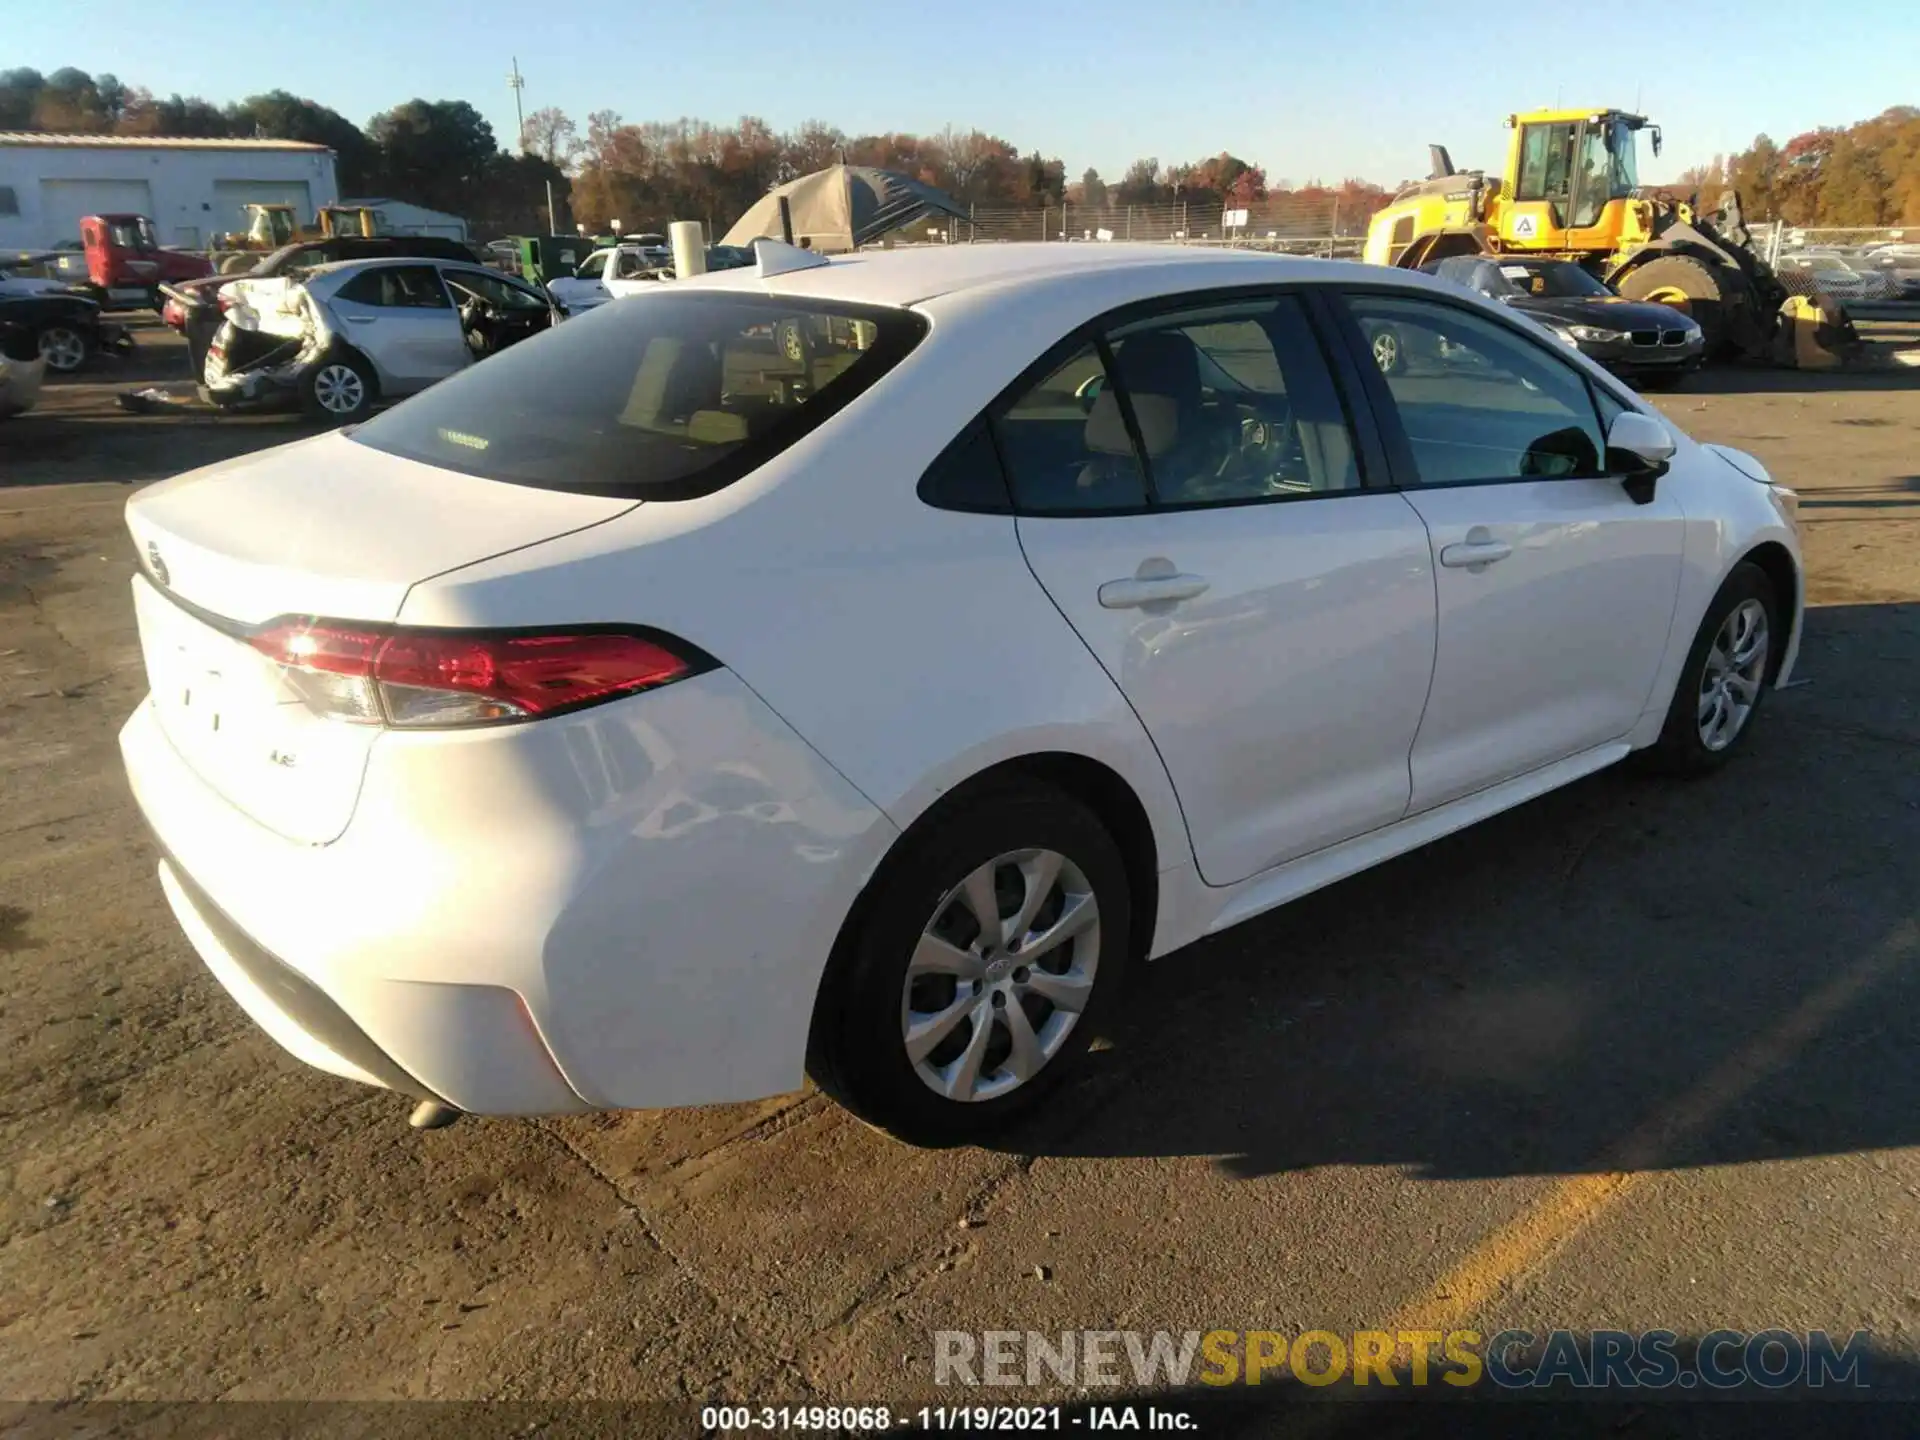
(629, 907)
(282, 1001)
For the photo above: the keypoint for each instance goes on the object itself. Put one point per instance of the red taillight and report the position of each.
(452, 677)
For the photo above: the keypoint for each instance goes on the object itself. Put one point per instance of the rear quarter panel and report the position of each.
(910, 646)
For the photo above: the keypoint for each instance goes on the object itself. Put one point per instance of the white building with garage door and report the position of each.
(192, 189)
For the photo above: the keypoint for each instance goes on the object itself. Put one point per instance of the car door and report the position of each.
(512, 311)
(1189, 493)
(401, 319)
(1556, 586)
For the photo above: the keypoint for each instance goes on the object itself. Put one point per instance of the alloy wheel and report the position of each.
(1386, 351)
(1735, 670)
(64, 350)
(1001, 975)
(339, 390)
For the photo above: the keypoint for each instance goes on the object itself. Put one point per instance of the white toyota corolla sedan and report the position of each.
(853, 667)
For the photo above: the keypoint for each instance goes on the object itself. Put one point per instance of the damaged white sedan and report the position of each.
(343, 337)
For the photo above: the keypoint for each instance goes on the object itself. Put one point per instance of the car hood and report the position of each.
(18, 285)
(1611, 312)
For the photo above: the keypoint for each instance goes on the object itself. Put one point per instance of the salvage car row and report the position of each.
(344, 323)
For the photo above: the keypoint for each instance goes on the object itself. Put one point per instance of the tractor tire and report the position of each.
(1712, 295)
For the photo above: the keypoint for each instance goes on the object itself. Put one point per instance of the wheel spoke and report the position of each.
(964, 1073)
(934, 956)
(1743, 688)
(977, 892)
(1080, 912)
(1709, 699)
(1068, 992)
(1710, 724)
(1039, 875)
(924, 1036)
(1026, 1057)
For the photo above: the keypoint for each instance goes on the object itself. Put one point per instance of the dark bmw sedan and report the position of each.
(1651, 346)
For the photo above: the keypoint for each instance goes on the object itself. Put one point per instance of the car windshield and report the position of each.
(662, 399)
(1557, 280)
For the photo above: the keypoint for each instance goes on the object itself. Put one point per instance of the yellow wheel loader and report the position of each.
(1571, 190)
(273, 224)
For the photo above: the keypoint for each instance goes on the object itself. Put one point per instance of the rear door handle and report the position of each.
(1136, 590)
(1476, 552)
(361, 319)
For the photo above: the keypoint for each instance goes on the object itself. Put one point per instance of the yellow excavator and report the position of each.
(1571, 190)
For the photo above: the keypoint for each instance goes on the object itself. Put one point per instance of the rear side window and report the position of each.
(663, 397)
(397, 287)
(1066, 443)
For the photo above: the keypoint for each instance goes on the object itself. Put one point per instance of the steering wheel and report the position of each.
(1268, 445)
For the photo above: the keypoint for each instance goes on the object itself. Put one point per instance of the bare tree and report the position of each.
(551, 135)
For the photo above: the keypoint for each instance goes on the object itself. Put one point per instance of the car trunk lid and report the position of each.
(325, 528)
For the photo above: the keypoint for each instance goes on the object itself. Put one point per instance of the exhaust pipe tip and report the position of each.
(432, 1115)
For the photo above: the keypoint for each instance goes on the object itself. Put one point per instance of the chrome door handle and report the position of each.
(1476, 552)
(1138, 590)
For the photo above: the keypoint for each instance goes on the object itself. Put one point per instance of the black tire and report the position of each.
(1682, 750)
(66, 348)
(1705, 292)
(324, 388)
(857, 1052)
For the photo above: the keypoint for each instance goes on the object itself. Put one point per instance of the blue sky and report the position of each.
(1323, 89)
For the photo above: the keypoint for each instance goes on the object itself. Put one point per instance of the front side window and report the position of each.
(590, 268)
(1477, 401)
(665, 400)
(503, 294)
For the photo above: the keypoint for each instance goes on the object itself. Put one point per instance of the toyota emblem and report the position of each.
(156, 564)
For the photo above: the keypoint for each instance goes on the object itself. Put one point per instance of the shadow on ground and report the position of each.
(1733, 961)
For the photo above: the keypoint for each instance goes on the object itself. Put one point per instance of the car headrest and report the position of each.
(1159, 362)
(1158, 417)
(716, 427)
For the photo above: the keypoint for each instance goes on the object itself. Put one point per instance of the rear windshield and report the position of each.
(660, 396)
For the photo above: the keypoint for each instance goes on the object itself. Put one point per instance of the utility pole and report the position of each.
(517, 82)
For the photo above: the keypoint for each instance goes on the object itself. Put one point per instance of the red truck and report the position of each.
(126, 264)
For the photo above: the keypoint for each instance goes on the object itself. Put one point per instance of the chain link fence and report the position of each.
(1866, 268)
(1309, 227)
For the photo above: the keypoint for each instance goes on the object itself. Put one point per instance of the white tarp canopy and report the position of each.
(843, 207)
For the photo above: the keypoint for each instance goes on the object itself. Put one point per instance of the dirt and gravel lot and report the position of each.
(1635, 1055)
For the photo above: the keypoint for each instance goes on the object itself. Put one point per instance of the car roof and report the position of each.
(907, 277)
(382, 262)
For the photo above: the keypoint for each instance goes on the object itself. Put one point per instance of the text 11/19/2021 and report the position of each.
(936, 1419)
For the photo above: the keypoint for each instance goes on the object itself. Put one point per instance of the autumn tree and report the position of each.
(551, 135)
